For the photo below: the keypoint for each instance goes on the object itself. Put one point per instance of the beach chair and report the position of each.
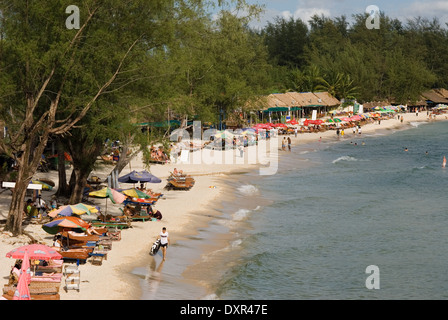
(72, 277)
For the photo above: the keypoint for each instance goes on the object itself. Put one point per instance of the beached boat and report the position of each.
(111, 224)
(9, 295)
(183, 182)
(81, 254)
(80, 237)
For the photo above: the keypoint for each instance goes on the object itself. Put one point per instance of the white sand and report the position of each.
(181, 212)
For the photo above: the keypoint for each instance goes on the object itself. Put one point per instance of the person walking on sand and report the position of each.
(289, 143)
(164, 241)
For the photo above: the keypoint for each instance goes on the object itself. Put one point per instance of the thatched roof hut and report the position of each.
(432, 96)
(310, 99)
(327, 99)
(288, 98)
(443, 92)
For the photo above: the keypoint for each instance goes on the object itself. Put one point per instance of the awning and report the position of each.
(276, 109)
(161, 124)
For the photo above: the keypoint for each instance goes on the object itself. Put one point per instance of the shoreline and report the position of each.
(184, 213)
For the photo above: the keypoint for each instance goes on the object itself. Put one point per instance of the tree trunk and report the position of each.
(63, 188)
(28, 163)
(84, 158)
(124, 159)
(79, 185)
(15, 216)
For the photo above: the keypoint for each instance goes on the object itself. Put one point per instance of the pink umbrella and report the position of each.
(25, 270)
(23, 291)
(35, 252)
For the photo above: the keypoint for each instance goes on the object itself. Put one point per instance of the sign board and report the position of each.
(32, 186)
(314, 116)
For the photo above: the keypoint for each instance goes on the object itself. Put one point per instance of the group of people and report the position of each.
(131, 211)
(157, 154)
(286, 141)
(38, 207)
(341, 132)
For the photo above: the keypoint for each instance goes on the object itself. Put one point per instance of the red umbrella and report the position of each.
(22, 291)
(281, 125)
(316, 122)
(35, 252)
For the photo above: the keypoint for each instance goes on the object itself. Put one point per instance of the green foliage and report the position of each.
(398, 61)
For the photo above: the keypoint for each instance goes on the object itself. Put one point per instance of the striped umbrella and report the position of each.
(54, 226)
(113, 195)
(70, 210)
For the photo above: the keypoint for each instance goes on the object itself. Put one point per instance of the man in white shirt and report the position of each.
(164, 241)
(40, 205)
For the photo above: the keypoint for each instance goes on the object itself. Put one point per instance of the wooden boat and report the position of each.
(10, 296)
(36, 288)
(81, 254)
(80, 237)
(180, 182)
(111, 224)
(142, 202)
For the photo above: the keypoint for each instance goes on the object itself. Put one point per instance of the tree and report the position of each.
(55, 75)
(221, 65)
(286, 41)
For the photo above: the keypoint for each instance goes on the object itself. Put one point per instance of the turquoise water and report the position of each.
(337, 207)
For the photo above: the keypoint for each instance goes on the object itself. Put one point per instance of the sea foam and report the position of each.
(241, 214)
(248, 189)
(344, 158)
(417, 123)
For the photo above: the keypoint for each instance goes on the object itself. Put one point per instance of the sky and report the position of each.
(304, 9)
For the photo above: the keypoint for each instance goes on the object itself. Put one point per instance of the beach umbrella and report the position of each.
(248, 131)
(113, 195)
(313, 122)
(35, 252)
(86, 208)
(135, 193)
(225, 134)
(23, 290)
(139, 177)
(70, 210)
(25, 269)
(54, 226)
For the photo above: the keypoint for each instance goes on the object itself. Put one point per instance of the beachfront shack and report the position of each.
(434, 97)
(297, 105)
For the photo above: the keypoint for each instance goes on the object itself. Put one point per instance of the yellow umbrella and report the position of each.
(69, 210)
(135, 193)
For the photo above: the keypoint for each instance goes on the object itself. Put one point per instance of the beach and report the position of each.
(183, 213)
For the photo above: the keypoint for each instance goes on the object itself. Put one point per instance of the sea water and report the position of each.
(360, 201)
(333, 209)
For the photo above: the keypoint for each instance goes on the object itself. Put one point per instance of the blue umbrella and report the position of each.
(139, 177)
